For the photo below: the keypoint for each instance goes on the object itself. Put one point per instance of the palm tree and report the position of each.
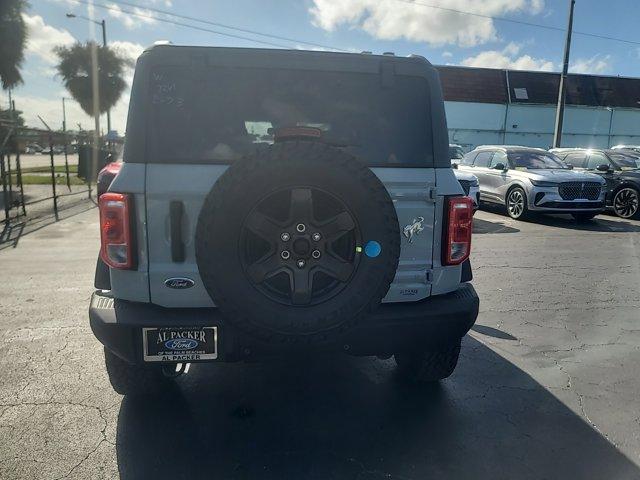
(75, 68)
(13, 38)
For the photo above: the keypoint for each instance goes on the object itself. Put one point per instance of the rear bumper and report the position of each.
(433, 322)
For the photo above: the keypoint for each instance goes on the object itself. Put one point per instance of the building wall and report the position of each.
(472, 124)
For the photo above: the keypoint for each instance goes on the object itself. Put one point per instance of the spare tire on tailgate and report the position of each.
(297, 242)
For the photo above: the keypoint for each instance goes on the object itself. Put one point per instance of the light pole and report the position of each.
(557, 135)
(104, 43)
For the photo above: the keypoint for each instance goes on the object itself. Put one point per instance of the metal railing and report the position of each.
(12, 172)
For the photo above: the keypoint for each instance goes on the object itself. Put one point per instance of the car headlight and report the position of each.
(542, 183)
(475, 183)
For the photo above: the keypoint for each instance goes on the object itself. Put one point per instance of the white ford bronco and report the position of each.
(282, 203)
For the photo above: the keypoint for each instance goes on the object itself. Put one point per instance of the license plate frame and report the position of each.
(190, 344)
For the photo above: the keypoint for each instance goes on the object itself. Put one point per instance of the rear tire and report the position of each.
(428, 367)
(516, 204)
(584, 217)
(127, 379)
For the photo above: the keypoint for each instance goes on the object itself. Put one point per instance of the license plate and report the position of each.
(183, 344)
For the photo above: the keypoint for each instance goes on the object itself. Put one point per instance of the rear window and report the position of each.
(219, 114)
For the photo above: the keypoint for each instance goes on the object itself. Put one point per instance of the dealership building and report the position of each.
(489, 106)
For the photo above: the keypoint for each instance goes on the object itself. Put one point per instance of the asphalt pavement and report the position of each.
(547, 386)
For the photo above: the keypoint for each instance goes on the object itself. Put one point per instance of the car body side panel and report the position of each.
(409, 190)
(188, 184)
(133, 284)
(444, 278)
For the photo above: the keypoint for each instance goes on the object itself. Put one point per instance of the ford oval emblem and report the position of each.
(179, 282)
(181, 344)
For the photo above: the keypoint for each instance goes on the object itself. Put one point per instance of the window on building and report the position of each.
(521, 93)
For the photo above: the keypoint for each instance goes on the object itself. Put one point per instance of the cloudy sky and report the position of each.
(443, 35)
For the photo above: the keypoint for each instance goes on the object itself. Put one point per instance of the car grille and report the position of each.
(575, 190)
(466, 186)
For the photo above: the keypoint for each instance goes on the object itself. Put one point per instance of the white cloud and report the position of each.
(396, 19)
(42, 38)
(129, 49)
(512, 49)
(595, 65)
(447, 54)
(131, 21)
(508, 58)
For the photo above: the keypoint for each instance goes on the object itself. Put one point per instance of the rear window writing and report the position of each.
(219, 114)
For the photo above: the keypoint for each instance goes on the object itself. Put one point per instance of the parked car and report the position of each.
(456, 152)
(57, 150)
(106, 176)
(631, 148)
(529, 180)
(619, 168)
(278, 237)
(33, 148)
(470, 186)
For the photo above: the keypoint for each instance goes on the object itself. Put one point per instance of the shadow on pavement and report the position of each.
(492, 332)
(340, 417)
(11, 234)
(484, 226)
(602, 223)
(598, 224)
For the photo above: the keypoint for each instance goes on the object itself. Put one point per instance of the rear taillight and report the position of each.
(457, 238)
(116, 247)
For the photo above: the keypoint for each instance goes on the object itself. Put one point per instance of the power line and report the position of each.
(303, 42)
(194, 27)
(172, 22)
(230, 27)
(519, 22)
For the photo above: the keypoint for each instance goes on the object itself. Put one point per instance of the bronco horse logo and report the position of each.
(413, 228)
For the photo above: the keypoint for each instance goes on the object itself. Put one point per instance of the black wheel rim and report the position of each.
(625, 203)
(515, 203)
(298, 246)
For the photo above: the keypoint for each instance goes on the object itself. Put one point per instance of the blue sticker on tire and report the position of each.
(372, 249)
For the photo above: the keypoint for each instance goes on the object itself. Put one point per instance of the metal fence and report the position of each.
(31, 178)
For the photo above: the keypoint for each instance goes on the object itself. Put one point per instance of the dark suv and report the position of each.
(276, 202)
(619, 168)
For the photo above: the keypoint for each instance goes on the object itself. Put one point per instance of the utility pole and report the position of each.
(66, 142)
(104, 44)
(557, 135)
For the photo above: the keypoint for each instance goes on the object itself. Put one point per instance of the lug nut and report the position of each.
(285, 254)
(285, 237)
(300, 227)
(316, 237)
(316, 254)
(300, 263)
